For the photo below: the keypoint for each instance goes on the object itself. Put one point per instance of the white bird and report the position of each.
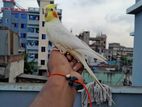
(67, 42)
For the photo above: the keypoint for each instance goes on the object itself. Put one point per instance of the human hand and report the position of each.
(56, 91)
(65, 64)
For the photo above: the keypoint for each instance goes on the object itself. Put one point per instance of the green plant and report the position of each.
(29, 67)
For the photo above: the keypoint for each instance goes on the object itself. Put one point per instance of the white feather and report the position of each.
(58, 34)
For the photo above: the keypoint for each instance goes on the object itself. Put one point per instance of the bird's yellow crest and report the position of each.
(50, 12)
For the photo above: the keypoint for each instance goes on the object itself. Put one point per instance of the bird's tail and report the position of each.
(95, 78)
(83, 61)
(81, 58)
(91, 73)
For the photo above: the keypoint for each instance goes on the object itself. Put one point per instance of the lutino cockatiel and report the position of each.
(67, 42)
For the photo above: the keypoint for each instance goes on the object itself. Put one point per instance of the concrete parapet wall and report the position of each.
(21, 95)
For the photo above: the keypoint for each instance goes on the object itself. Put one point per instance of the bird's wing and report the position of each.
(58, 34)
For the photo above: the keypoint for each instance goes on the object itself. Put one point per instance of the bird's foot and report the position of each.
(61, 51)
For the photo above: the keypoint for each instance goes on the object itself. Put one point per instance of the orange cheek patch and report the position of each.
(55, 14)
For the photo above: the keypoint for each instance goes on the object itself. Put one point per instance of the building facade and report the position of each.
(11, 62)
(15, 19)
(32, 34)
(136, 9)
(85, 36)
(9, 42)
(10, 67)
(26, 23)
(116, 51)
(99, 43)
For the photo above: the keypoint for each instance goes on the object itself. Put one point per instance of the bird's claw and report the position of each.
(61, 51)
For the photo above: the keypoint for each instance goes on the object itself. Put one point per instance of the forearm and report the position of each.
(56, 92)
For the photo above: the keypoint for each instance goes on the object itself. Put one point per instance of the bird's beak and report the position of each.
(55, 14)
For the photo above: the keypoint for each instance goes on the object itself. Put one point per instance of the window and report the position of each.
(6, 20)
(37, 30)
(31, 55)
(50, 43)
(23, 45)
(15, 25)
(42, 49)
(43, 23)
(32, 43)
(42, 62)
(16, 15)
(33, 17)
(23, 35)
(23, 26)
(36, 43)
(23, 16)
(43, 36)
(30, 29)
(36, 55)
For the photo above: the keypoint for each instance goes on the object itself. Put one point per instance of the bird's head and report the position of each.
(50, 12)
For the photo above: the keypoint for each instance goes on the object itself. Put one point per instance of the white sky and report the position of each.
(106, 16)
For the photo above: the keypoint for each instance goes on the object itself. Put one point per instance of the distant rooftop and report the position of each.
(32, 9)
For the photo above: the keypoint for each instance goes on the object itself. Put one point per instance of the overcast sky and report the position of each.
(106, 16)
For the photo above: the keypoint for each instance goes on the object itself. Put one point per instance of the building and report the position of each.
(11, 62)
(85, 36)
(119, 56)
(27, 78)
(15, 19)
(32, 34)
(115, 51)
(26, 23)
(136, 9)
(10, 67)
(99, 43)
(9, 42)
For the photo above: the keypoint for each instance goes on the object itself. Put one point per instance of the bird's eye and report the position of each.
(51, 9)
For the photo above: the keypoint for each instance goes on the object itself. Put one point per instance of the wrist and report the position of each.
(59, 80)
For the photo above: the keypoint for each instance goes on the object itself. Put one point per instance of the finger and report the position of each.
(73, 62)
(69, 57)
(78, 67)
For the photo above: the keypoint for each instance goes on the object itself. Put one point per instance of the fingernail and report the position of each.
(74, 68)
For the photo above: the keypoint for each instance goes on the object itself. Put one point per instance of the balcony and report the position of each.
(32, 35)
(136, 8)
(33, 22)
(32, 48)
(31, 9)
